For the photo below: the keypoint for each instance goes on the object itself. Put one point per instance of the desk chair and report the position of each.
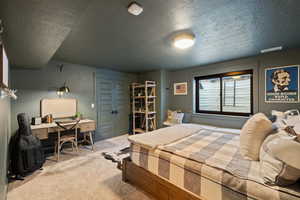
(65, 135)
(88, 138)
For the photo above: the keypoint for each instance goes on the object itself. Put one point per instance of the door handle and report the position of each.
(114, 112)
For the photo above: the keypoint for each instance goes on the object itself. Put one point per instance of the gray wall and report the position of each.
(33, 85)
(4, 138)
(164, 91)
(291, 57)
(258, 64)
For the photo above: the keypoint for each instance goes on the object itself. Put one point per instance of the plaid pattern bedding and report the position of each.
(209, 165)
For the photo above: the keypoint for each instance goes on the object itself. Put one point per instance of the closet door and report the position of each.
(113, 103)
(105, 118)
(122, 106)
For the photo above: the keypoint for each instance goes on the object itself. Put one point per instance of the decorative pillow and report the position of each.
(280, 116)
(279, 163)
(170, 115)
(272, 118)
(292, 120)
(253, 133)
(175, 117)
(278, 113)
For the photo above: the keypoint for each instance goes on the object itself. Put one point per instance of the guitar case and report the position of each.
(27, 154)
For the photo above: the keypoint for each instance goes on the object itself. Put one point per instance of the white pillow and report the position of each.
(278, 160)
(174, 117)
(177, 118)
(278, 113)
(289, 117)
(293, 120)
(253, 133)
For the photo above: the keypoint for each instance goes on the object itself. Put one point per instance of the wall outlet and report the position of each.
(92, 105)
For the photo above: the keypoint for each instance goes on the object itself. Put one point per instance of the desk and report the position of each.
(42, 131)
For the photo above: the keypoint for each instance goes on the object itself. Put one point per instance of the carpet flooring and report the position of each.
(83, 176)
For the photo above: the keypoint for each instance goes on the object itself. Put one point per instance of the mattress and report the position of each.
(208, 164)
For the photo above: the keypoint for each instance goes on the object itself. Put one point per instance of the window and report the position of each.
(228, 93)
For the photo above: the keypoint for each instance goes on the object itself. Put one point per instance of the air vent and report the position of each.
(271, 49)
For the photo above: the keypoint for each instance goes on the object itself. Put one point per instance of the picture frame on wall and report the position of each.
(282, 84)
(180, 88)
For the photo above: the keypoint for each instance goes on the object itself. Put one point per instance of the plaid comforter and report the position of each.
(209, 165)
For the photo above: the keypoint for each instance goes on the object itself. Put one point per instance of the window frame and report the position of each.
(220, 77)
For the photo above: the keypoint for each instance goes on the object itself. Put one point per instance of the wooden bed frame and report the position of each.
(152, 184)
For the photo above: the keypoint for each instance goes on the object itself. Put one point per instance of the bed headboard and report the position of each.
(59, 108)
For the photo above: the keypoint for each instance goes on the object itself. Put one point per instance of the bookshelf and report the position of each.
(143, 104)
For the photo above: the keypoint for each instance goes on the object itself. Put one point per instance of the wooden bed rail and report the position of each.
(152, 184)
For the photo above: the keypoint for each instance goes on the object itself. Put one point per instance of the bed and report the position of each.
(192, 161)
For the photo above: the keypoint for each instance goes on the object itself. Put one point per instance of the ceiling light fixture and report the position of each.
(184, 40)
(135, 9)
(271, 49)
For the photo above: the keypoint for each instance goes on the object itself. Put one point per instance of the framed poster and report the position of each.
(180, 88)
(282, 84)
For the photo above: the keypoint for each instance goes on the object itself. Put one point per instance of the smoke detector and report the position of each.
(135, 9)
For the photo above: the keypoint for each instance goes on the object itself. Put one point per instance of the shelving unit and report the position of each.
(143, 103)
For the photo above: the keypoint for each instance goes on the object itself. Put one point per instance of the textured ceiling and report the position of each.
(101, 33)
(35, 29)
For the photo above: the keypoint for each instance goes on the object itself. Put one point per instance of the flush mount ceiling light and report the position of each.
(271, 49)
(135, 9)
(184, 40)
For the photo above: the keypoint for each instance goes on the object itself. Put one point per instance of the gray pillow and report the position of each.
(279, 163)
(273, 118)
(277, 118)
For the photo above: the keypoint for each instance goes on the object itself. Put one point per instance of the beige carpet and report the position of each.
(83, 177)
